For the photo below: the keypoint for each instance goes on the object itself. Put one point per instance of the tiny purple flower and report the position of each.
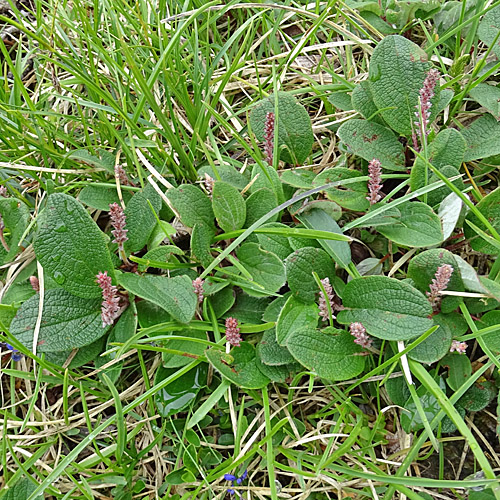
(374, 181)
(323, 301)
(110, 309)
(269, 138)
(198, 288)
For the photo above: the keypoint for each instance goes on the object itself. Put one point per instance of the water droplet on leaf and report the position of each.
(59, 278)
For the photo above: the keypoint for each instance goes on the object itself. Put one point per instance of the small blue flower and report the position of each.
(234, 479)
(16, 355)
(229, 477)
(242, 477)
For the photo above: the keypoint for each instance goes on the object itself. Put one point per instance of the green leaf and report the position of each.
(161, 231)
(15, 215)
(422, 270)
(149, 314)
(162, 253)
(20, 490)
(279, 374)
(229, 206)
(222, 301)
(141, 219)
(371, 140)
(299, 268)
(192, 204)
(243, 370)
(266, 177)
(272, 353)
(295, 136)
(398, 68)
(478, 396)
(68, 322)
(489, 206)
(330, 353)
(248, 309)
(459, 370)
(389, 309)
(488, 29)
(279, 245)
(227, 173)
(298, 178)
(124, 329)
(170, 360)
(295, 315)
(341, 100)
(492, 339)
(411, 420)
(340, 251)
(438, 343)
(201, 238)
(175, 295)
(351, 196)
(181, 392)
(100, 197)
(482, 137)
(265, 267)
(70, 246)
(418, 226)
(258, 204)
(487, 96)
(87, 354)
(437, 195)
(362, 100)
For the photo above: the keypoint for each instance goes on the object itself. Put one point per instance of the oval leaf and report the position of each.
(229, 206)
(68, 322)
(70, 246)
(175, 295)
(389, 309)
(331, 353)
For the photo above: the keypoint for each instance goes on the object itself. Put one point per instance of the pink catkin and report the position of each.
(35, 284)
(118, 221)
(209, 184)
(460, 347)
(439, 283)
(110, 308)
(198, 289)
(269, 138)
(4, 192)
(233, 332)
(423, 112)
(374, 181)
(323, 301)
(358, 331)
(121, 175)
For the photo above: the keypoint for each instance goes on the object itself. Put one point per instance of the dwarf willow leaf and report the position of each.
(278, 373)
(258, 204)
(459, 370)
(71, 247)
(398, 68)
(22, 489)
(295, 315)
(299, 268)
(319, 219)
(295, 136)
(352, 195)
(418, 226)
(487, 96)
(422, 270)
(371, 140)
(489, 206)
(68, 322)
(362, 101)
(192, 204)
(243, 371)
(15, 215)
(489, 27)
(482, 137)
(141, 220)
(330, 353)
(264, 266)
(100, 197)
(229, 206)
(175, 295)
(272, 353)
(438, 343)
(389, 309)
